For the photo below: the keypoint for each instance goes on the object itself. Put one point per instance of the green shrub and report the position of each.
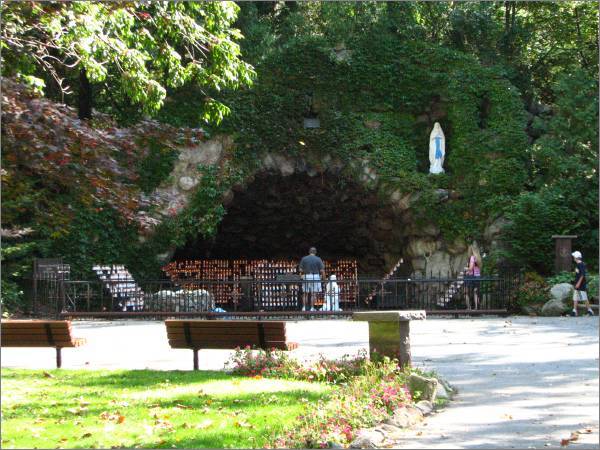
(11, 297)
(534, 290)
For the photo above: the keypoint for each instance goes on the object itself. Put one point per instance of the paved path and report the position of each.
(523, 382)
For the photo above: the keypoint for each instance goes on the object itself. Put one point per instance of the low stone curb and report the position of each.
(394, 427)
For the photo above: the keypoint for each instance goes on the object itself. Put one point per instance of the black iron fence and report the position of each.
(189, 297)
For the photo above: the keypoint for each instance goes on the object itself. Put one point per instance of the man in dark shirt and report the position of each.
(580, 284)
(311, 267)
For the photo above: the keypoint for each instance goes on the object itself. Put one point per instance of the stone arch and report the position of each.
(349, 217)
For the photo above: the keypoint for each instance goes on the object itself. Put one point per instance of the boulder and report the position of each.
(451, 390)
(494, 229)
(442, 194)
(561, 292)
(441, 392)
(187, 183)
(439, 263)
(284, 165)
(457, 246)
(533, 309)
(428, 230)
(426, 386)
(425, 406)
(420, 247)
(209, 153)
(554, 307)
(368, 438)
(405, 417)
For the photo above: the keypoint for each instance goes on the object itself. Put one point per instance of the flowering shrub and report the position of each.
(367, 398)
(533, 290)
(277, 363)
(368, 393)
(265, 363)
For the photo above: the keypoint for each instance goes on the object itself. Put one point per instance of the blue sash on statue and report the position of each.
(438, 147)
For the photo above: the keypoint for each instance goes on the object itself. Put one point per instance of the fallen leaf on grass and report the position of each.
(180, 406)
(48, 375)
(204, 424)
(242, 424)
(86, 435)
(116, 416)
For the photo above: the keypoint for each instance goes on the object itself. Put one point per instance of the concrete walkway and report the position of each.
(523, 382)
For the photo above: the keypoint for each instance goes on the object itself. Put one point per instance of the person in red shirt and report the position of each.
(472, 278)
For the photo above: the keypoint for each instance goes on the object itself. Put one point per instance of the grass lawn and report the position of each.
(143, 408)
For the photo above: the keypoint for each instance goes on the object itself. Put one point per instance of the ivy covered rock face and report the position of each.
(347, 91)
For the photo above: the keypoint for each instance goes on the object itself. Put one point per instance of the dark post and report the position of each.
(85, 96)
(195, 350)
(58, 357)
(562, 256)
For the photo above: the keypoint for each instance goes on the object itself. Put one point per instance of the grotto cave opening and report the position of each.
(280, 217)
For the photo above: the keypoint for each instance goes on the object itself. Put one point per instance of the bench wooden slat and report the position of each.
(196, 333)
(227, 334)
(39, 333)
(216, 345)
(36, 343)
(223, 324)
(207, 340)
(34, 326)
(35, 332)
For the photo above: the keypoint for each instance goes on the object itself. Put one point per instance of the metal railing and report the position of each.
(188, 297)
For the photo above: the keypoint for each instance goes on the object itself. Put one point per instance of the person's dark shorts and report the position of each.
(472, 281)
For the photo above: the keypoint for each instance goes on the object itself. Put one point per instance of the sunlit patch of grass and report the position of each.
(103, 409)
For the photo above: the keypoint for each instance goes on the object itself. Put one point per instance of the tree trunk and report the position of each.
(85, 96)
(584, 61)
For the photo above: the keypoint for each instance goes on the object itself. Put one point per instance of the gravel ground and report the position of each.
(523, 382)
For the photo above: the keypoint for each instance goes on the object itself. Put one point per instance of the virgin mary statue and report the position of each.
(437, 149)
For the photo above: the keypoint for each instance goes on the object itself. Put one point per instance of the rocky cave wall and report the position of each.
(289, 204)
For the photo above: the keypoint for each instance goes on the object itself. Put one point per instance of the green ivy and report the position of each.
(156, 166)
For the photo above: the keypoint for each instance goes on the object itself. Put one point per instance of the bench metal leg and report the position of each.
(195, 350)
(58, 357)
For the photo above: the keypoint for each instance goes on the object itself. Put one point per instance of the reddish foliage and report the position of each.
(46, 141)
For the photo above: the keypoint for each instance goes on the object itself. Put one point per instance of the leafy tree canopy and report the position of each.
(133, 51)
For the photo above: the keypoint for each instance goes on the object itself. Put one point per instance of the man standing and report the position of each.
(311, 267)
(580, 284)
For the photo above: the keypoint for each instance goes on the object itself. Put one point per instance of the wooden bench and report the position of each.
(39, 333)
(227, 334)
